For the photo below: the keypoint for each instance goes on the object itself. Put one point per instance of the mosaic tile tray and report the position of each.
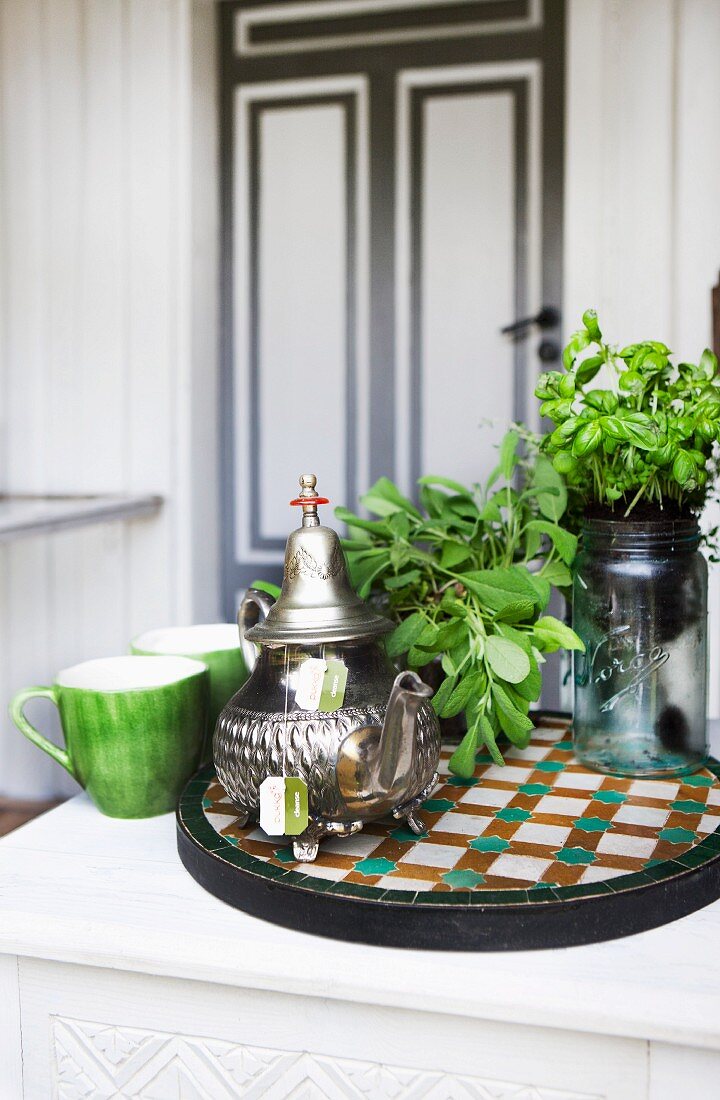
(536, 853)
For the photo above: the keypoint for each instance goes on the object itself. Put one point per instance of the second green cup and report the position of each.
(215, 644)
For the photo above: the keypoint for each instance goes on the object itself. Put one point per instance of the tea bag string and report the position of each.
(285, 727)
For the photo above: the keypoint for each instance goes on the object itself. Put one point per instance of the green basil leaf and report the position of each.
(684, 470)
(587, 369)
(587, 439)
(590, 320)
(577, 343)
(708, 364)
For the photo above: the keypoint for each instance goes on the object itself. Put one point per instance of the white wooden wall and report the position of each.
(642, 229)
(106, 139)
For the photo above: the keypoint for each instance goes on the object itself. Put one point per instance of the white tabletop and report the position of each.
(79, 887)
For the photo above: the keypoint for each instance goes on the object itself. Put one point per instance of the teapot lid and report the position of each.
(317, 603)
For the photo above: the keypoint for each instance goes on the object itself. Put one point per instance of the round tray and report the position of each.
(540, 853)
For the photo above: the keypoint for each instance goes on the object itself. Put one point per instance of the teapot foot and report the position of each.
(305, 847)
(409, 809)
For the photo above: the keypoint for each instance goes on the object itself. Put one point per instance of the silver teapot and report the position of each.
(377, 752)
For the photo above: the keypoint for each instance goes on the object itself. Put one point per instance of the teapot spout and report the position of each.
(397, 741)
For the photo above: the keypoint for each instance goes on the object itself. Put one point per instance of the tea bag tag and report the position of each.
(333, 686)
(310, 680)
(283, 805)
(321, 684)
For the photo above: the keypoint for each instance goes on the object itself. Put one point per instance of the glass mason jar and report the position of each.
(640, 607)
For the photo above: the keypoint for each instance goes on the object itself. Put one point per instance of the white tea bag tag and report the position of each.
(272, 805)
(311, 676)
(283, 805)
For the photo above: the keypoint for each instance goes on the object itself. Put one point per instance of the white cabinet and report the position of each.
(121, 977)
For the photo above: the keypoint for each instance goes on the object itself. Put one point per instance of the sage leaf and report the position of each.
(488, 736)
(517, 611)
(384, 498)
(507, 660)
(405, 634)
(557, 573)
(552, 635)
(468, 689)
(447, 483)
(508, 456)
(514, 724)
(531, 686)
(564, 542)
(551, 494)
(462, 761)
(453, 553)
(442, 694)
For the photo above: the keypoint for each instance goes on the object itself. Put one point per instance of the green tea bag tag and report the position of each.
(332, 695)
(296, 805)
(283, 805)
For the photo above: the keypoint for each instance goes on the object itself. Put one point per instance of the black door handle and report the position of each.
(548, 317)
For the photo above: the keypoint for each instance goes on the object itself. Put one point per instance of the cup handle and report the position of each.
(17, 714)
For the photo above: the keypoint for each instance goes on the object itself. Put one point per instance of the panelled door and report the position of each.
(392, 198)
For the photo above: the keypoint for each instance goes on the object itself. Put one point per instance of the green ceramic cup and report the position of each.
(134, 729)
(215, 644)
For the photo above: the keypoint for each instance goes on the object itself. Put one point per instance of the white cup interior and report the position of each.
(205, 638)
(128, 673)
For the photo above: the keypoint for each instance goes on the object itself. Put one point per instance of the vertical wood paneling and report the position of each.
(153, 213)
(26, 317)
(94, 135)
(620, 165)
(696, 225)
(63, 64)
(103, 249)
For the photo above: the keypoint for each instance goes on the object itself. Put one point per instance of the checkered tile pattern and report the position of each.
(542, 820)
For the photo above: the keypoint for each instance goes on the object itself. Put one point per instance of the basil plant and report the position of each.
(630, 426)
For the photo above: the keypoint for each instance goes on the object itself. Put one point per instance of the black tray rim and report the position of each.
(461, 920)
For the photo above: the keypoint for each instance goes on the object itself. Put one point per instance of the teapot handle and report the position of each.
(253, 610)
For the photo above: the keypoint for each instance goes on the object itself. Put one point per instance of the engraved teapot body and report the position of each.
(373, 748)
